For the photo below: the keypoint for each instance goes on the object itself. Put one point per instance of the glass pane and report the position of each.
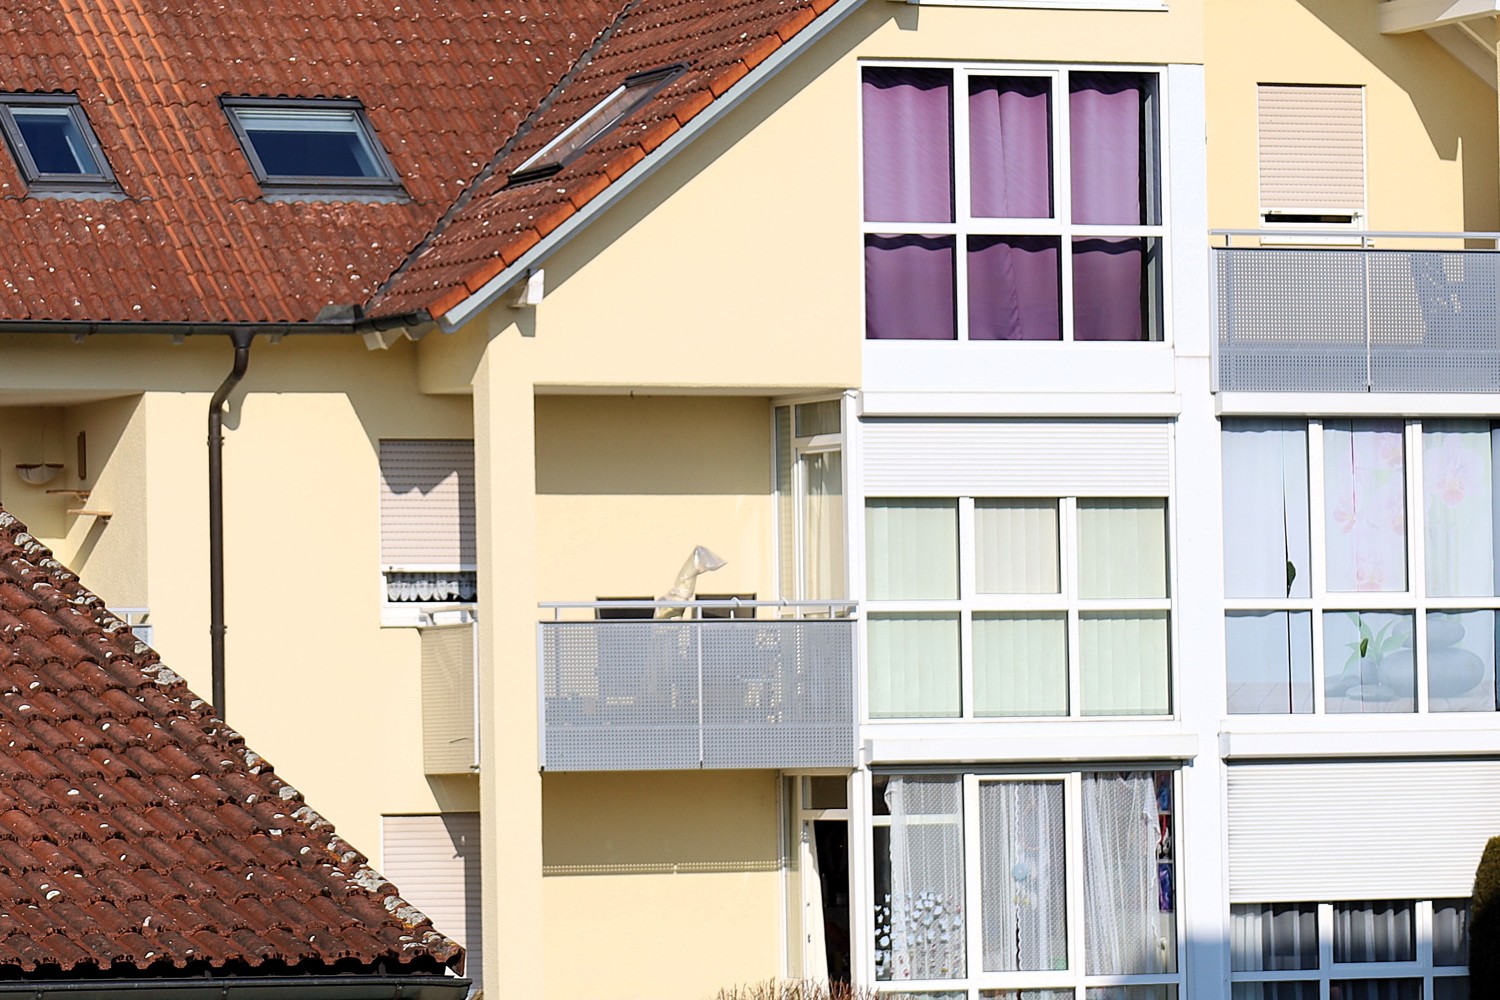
(823, 525)
(1451, 988)
(1027, 995)
(1115, 294)
(1450, 932)
(1273, 937)
(1461, 661)
(1364, 466)
(1126, 931)
(909, 288)
(1110, 132)
(1022, 872)
(1163, 991)
(1010, 155)
(54, 140)
(1123, 661)
(913, 666)
(912, 549)
(309, 143)
(827, 792)
(1367, 656)
(1020, 664)
(1458, 496)
(786, 512)
(1266, 548)
(1015, 546)
(1122, 548)
(908, 146)
(926, 859)
(1015, 288)
(1274, 991)
(1375, 989)
(1268, 656)
(822, 417)
(1376, 930)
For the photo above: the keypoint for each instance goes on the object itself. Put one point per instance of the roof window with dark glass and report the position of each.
(53, 144)
(311, 145)
(621, 103)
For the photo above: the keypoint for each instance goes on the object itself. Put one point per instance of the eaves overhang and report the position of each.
(1466, 29)
(381, 332)
(491, 291)
(336, 987)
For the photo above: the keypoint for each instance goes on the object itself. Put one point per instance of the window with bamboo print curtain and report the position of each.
(1015, 607)
(1395, 611)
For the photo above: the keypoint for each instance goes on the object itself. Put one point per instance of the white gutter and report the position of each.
(747, 85)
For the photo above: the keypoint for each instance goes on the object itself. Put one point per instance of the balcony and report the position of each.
(731, 685)
(1358, 319)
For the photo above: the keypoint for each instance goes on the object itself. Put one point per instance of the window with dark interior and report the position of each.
(310, 144)
(53, 144)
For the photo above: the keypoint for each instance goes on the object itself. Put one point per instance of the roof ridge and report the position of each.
(464, 197)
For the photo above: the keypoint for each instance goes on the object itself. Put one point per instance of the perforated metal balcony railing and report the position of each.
(1366, 318)
(771, 689)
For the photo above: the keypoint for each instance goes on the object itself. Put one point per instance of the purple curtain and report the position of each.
(908, 152)
(1010, 162)
(1105, 121)
(909, 288)
(1014, 288)
(1109, 284)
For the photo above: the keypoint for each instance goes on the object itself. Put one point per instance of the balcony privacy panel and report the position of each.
(663, 695)
(1344, 320)
(449, 745)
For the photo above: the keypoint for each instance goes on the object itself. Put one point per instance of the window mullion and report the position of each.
(1416, 561)
(1074, 853)
(966, 586)
(1067, 520)
(1316, 526)
(961, 200)
(973, 882)
(1325, 948)
(1062, 197)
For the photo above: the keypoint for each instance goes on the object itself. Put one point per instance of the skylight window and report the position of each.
(310, 144)
(52, 143)
(619, 105)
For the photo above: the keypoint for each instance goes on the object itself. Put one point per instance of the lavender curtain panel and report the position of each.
(908, 146)
(1014, 288)
(1010, 161)
(1109, 284)
(1106, 117)
(909, 288)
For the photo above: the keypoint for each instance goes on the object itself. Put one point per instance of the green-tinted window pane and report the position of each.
(1020, 664)
(912, 549)
(1123, 662)
(1015, 546)
(1122, 548)
(913, 666)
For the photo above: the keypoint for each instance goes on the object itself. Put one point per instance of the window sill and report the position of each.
(419, 615)
(1458, 734)
(1062, 740)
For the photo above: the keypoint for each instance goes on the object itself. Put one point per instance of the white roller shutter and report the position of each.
(1364, 830)
(427, 504)
(434, 862)
(913, 458)
(1311, 149)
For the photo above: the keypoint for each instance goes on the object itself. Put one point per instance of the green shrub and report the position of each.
(1484, 925)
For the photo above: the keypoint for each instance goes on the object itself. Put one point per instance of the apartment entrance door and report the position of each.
(818, 878)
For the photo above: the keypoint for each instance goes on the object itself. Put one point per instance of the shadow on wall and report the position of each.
(1448, 113)
(661, 822)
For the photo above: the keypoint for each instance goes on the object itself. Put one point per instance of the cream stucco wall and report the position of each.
(660, 886)
(1430, 124)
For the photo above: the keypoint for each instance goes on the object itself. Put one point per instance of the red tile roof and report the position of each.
(138, 833)
(452, 90)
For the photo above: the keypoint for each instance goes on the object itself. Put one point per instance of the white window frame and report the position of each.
(1413, 600)
(796, 589)
(1074, 977)
(1066, 602)
(1328, 972)
(1060, 225)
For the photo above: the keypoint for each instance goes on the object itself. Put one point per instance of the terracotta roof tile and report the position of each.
(137, 831)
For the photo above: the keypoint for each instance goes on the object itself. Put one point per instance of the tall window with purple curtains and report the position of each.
(1011, 206)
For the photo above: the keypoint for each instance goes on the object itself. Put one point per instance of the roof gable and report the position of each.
(138, 832)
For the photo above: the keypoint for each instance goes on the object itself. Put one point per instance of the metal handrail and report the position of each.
(1359, 234)
(847, 607)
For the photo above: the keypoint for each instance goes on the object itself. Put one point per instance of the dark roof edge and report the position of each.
(362, 326)
(353, 986)
(458, 316)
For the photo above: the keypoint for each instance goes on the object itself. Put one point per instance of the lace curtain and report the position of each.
(1121, 893)
(405, 588)
(927, 877)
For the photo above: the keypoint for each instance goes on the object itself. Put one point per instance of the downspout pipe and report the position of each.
(241, 340)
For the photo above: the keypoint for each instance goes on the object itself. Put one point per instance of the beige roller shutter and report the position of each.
(434, 862)
(448, 726)
(1359, 830)
(1312, 149)
(1016, 458)
(427, 504)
